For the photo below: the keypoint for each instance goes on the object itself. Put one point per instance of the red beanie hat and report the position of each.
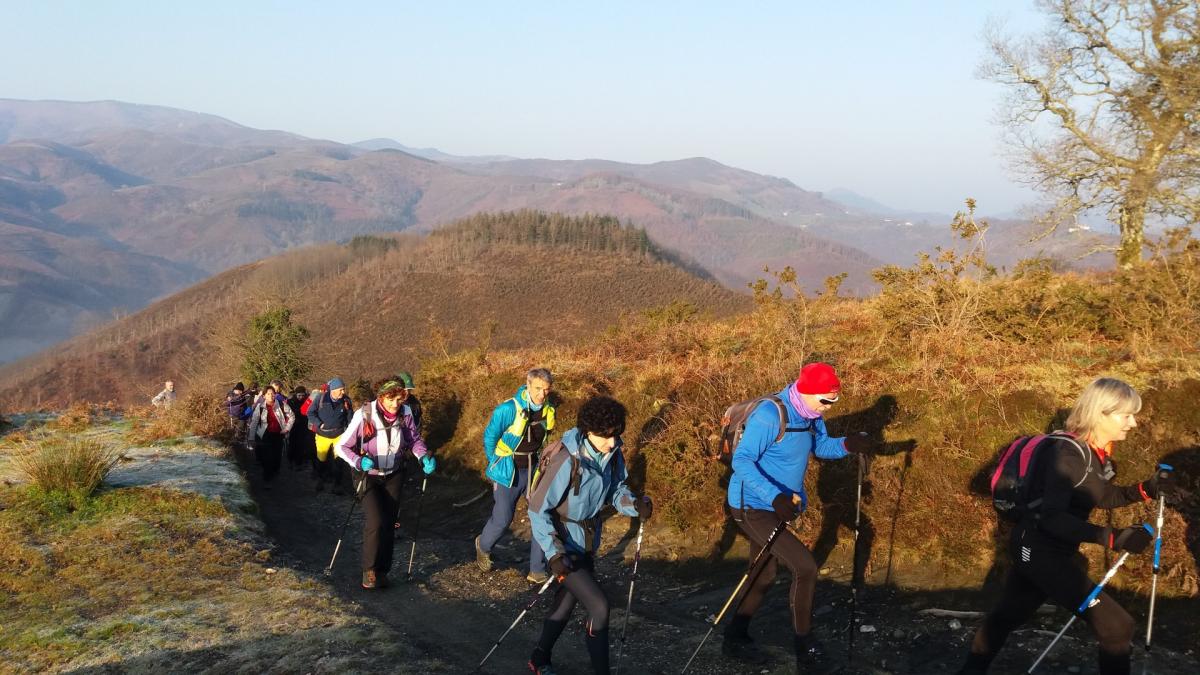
(818, 378)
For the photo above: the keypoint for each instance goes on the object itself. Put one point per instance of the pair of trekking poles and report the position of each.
(1093, 597)
(359, 493)
(756, 567)
(637, 557)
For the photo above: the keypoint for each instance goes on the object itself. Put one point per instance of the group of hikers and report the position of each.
(568, 483)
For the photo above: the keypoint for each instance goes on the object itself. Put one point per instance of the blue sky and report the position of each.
(877, 97)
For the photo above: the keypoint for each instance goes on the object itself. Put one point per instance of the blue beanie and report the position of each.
(336, 383)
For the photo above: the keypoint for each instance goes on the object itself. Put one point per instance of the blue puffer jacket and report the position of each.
(764, 469)
(503, 435)
(557, 514)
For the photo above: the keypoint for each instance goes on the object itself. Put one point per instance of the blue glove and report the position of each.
(365, 463)
(428, 464)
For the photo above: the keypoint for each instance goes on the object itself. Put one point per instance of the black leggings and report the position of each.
(578, 587)
(758, 525)
(269, 449)
(381, 505)
(1038, 575)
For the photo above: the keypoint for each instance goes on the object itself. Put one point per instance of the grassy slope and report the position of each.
(154, 579)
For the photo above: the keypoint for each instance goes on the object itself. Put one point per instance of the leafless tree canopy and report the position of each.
(1104, 109)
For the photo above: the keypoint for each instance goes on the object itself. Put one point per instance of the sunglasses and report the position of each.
(828, 401)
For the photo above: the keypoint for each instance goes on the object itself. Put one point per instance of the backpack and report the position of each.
(733, 424)
(1010, 480)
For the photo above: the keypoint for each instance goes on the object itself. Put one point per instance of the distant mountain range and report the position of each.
(111, 204)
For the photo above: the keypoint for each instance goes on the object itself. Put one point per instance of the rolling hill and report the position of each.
(377, 304)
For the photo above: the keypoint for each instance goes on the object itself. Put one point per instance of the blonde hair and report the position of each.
(1103, 396)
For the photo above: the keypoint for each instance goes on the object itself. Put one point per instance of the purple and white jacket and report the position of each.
(386, 446)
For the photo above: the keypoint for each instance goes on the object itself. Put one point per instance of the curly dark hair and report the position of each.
(603, 416)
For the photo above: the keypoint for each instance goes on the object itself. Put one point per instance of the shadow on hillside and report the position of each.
(837, 487)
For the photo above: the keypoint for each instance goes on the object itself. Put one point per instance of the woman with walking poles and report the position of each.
(766, 493)
(1068, 477)
(374, 443)
(577, 477)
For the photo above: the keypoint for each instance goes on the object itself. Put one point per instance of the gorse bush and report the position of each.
(274, 348)
(71, 466)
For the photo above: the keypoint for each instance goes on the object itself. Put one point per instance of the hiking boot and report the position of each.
(809, 653)
(381, 580)
(370, 580)
(537, 577)
(483, 559)
(539, 662)
(742, 648)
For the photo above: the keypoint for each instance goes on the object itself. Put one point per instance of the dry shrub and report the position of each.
(194, 414)
(77, 417)
(67, 465)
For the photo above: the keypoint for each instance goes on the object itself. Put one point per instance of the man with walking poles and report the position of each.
(515, 435)
(766, 493)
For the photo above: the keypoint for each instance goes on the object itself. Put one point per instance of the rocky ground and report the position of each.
(456, 612)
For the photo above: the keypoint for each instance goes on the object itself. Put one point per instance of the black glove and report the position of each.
(1162, 484)
(560, 565)
(1132, 539)
(860, 444)
(784, 507)
(644, 507)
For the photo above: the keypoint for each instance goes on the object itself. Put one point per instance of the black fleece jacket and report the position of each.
(1062, 520)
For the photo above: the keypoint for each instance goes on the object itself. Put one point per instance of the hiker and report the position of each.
(237, 405)
(1071, 476)
(511, 441)
(579, 476)
(374, 443)
(767, 486)
(413, 403)
(270, 421)
(300, 444)
(165, 398)
(329, 416)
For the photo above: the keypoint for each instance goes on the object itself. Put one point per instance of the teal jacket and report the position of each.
(558, 514)
(503, 435)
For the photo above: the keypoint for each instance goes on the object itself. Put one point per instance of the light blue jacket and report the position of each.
(557, 514)
(764, 469)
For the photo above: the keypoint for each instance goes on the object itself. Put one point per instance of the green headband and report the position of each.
(390, 385)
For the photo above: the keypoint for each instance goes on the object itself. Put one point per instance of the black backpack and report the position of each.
(733, 424)
(1010, 480)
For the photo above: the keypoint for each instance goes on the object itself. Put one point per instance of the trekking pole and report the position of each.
(1089, 601)
(520, 616)
(1154, 579)
(637, 556)
(412, 552)
(854, 567)
(358, 494)
(753, 565)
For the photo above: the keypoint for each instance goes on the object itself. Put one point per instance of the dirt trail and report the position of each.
(455, 612)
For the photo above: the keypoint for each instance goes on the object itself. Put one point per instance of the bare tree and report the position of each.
(1104, 108)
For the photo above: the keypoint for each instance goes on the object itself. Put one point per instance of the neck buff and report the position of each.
(387, 416)
(798, 403)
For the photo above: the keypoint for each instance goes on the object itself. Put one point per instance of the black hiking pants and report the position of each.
(787, 549)
(380, 505)
(1041, 573)
(269, 450)
(577, 587)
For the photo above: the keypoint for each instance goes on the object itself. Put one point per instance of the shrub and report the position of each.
(73, 466)
(274, 347)
(74, 419)
(195, 414)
